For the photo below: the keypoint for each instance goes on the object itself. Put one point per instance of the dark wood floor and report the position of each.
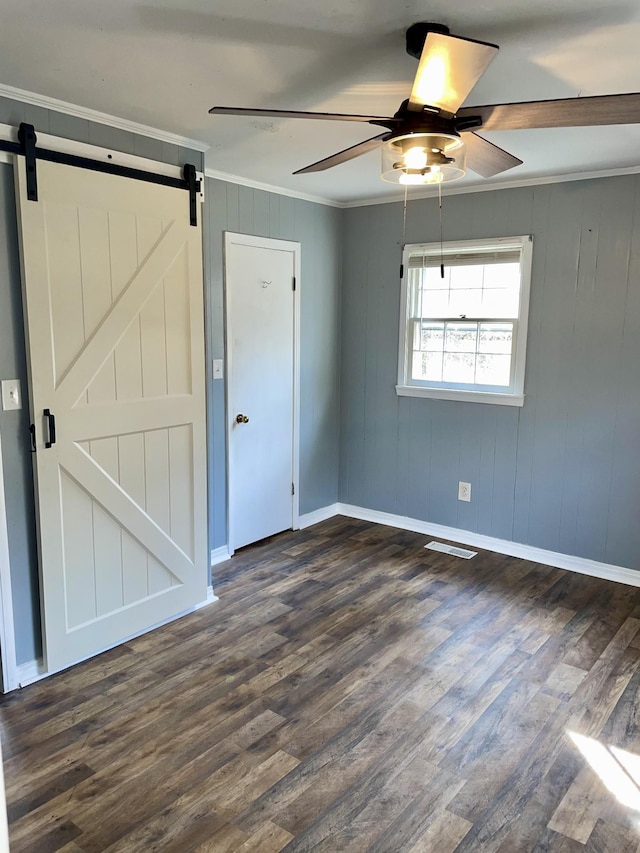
(351, 691)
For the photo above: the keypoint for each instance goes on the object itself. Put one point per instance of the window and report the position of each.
(463, 336)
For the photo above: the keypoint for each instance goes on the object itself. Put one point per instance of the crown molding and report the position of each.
(490, 186)
(57, 105)
(49, 103)
(487, 186)
(271, 188)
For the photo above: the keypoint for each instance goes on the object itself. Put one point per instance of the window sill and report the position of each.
(465, 396)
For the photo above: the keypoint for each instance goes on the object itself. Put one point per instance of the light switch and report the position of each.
(218, 368)
(11, 396)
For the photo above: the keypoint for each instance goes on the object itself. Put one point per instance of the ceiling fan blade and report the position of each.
(487, 159)
(449, 68)
(565, 112)
(241, 111)
(346, 154)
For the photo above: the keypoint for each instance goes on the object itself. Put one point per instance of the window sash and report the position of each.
(410, 319)
(427, 302)
(414, 324)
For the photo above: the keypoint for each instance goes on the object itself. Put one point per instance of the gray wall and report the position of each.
(14, 425)
(318, 229)
(561, 473)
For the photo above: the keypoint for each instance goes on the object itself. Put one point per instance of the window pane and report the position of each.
(495, 337)
(463, 303)
(502, 275)
(493, 369)
(459, 367)
(466, 277)
(479, 290)
(427, 366)
(461, 337)
(432, 280)
(436, 303)
(498, 303)
(432, 337)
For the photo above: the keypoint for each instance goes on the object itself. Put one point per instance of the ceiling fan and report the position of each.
(431, 138)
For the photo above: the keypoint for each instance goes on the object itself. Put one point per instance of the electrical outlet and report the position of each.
(464, 491)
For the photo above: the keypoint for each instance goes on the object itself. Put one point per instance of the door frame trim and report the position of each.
(279, 245)
(7, 629)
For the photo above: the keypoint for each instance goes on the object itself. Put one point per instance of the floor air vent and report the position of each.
(451, 549)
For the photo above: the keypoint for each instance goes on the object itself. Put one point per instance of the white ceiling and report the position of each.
(165, 63)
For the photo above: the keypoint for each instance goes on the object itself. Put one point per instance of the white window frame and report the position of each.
(513, 395)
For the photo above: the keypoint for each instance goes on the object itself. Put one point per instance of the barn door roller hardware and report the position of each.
(26, 146)
(193, 185)
(27, 140)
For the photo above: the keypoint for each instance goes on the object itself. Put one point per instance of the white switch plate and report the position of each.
(11, 396)
(464, 491)
(218, 368)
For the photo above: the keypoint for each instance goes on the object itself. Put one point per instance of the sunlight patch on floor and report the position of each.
(618, 769)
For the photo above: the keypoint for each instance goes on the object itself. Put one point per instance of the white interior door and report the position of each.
(261, 321)
(113, 300)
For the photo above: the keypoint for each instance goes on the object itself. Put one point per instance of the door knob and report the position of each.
(242, 419)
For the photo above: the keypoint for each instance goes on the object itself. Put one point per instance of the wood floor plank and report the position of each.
(216, 768)
(417, 810)
(528, 826)
(268, 839)
(204, 811)
(228, 839)
(351, 691)
(611, 838)
(342, 760)
(580, 808)
(444, 834)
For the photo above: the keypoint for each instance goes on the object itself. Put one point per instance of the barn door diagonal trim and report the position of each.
(123, 312)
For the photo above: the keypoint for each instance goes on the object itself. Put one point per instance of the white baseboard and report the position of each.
(581, 565)
(318, 515)
(211, 597)
(32, 670)
(219, 555)
(606, 571)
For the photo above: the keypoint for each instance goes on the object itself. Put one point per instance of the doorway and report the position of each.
(262, 320)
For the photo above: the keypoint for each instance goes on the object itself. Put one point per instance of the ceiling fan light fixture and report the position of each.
(418, 177)
(423, 158)
(416, 157)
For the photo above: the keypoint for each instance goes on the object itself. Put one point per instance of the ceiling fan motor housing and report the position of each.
(417, 35)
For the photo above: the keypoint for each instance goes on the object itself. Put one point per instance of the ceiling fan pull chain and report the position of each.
(404, 234)
(404, 219)
(441, 248)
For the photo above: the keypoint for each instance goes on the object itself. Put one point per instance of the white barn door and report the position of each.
(113, 301)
